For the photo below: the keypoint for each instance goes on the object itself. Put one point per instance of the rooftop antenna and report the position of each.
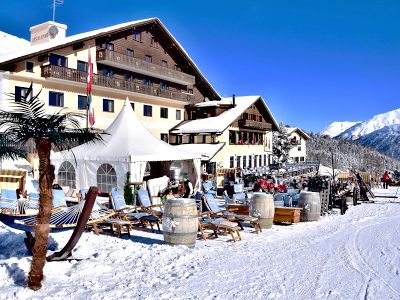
(55, 3)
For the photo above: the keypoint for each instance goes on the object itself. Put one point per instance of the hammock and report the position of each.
(62, 219)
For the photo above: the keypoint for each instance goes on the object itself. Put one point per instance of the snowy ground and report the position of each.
(355, 256)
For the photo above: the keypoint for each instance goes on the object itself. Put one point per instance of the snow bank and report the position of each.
(354, 256)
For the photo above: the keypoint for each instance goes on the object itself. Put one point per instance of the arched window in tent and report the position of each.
(66, 175)
(106, 178)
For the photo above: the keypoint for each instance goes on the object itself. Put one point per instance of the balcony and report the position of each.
(255, 124)
(74, 75)
(125, 62)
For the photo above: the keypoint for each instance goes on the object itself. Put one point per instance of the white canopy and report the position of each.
(127, 146)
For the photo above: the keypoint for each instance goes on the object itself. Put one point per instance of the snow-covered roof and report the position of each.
(299, 131)
(10, 42)
(219, 123)
(127, 140)
(36, 49)
(207, 151)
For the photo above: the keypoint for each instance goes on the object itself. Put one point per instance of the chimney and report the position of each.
(46, 32)
(233, 101)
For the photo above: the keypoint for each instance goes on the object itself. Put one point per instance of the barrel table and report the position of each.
(262, 207)
(180, 222)
(310, 202)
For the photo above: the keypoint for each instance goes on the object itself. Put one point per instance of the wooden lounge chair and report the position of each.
(131, 213)
(209, 226)
(146, 205)
(218, 211)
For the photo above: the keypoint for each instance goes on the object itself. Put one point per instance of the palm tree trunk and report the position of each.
(46, 177)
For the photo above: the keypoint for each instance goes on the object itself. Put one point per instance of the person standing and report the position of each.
(385, 179)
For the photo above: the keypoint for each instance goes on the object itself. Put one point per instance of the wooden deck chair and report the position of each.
(146, 205)
(209, 226)
(216, 210)
(131, 213)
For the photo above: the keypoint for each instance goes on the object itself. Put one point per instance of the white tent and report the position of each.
(128, 146)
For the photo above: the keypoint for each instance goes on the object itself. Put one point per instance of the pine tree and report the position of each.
(281, 145)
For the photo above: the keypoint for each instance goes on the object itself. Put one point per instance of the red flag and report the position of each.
(89, 91)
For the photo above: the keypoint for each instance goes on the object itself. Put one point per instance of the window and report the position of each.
(249, 161)
(244, 161)
(106, 178)
(107, 72)
(147, 110)
(82, 66)
(82, 102)
(238, 160)
(190, 91)
(163, 85)
(179, 139)
(29, 66)
(204, 139)
(133, 105)
(108, 46)
(231, 162)
(21, 94)
(137, 36)
(128, 77)
(146, 82)
(66, 175)
(154, 42)
(255, 161)
(58, 60)
(191, 139)
(265, 160)
(164, 63)
(164, 137)
(260, 161)
(178, 114)
(164, 112)
(177, 68)
(148, 58)
(129, 52)
(108, 105)
(299, 148)
(56, 99)
(301, 158)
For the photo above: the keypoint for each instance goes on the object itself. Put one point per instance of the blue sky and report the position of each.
(313, 61)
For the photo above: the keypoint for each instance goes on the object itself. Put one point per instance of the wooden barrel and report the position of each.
(180, 222)
(310, 202)
(262, 207)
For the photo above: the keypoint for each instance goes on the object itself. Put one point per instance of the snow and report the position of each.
(371, 125)
(10, 42)
(207, 151)
(354, 256)
(337, 128)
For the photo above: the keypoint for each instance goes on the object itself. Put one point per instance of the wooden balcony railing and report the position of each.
(136, 86)
(255, 124)
(131, 63)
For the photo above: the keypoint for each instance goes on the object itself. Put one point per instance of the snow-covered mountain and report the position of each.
(10, 42)
(337, 128)
(375, 123)
(386, 140)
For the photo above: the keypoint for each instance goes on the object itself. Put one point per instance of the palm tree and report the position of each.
(27, 122)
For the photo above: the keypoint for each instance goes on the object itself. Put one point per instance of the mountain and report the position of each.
(371, 125)
(337, 128)
(386, 140)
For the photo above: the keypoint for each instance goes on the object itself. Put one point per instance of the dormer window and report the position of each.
(137, 36)
(148, 58)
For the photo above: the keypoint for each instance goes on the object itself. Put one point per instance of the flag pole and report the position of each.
(87, 89)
